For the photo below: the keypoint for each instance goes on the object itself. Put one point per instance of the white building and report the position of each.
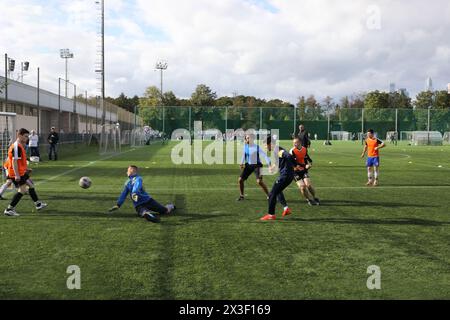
(429, 85)
(65, 114)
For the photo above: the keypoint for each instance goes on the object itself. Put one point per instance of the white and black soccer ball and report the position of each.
(85, 183)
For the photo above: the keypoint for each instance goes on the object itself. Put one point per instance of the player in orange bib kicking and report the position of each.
(301, 175)
(18, 173)
(372, 148)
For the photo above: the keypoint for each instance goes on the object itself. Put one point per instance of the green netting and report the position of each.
(287, 120)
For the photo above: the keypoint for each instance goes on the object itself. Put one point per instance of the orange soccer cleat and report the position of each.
(268, 217)
(287, 212)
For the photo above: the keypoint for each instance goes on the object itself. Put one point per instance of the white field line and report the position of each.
(188, 188)
(386, 158)
(82, 167)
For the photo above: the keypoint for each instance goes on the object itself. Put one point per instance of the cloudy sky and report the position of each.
(267, 48)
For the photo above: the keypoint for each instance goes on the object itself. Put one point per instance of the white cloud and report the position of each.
(311, 46)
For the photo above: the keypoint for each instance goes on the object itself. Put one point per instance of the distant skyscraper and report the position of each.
(403, 91)
(392, 87)
(429, 86)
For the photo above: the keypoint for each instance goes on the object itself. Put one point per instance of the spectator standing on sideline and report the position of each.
(304, 137)
(34, 144)
(53, 139)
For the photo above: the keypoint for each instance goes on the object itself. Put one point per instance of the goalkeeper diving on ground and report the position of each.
(146, 207)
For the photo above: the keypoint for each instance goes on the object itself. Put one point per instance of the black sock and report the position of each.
(33, 195)
(15, 200)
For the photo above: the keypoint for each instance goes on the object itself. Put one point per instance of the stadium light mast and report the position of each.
(162, 66)
(100, 65)
(66, 54)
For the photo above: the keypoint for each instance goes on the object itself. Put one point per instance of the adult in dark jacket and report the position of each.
(304, 137)
(53, 139)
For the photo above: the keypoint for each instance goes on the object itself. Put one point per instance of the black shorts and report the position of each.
(249, 169)
(301, 175)
(151, 205)
(23, 180)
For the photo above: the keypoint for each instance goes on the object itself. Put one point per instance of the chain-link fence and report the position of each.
(287, 120)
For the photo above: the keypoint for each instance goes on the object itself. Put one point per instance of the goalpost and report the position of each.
(422, 138)
(8, 124)
(447, 138)
(341, 135)
(110, 139)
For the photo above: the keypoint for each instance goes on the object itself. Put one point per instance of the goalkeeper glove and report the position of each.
(115, 208)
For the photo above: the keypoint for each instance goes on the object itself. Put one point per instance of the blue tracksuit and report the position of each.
(135, 188)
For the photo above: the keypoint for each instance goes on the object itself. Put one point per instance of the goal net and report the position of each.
(110, 139)
(424, 138)
(446, 138)
(8, 135)
(341, 135)
(406, 136)
(391, 135)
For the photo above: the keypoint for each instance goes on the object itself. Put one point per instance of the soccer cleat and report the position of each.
(369, 184)
(317, 200)
(11, 213)
(287, 212)
(309, 202)
(241, 198)
(41, 205)
(268, 217)
(376, 183)
(151, 217)
(170, 208)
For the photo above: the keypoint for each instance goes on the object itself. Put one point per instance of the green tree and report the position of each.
(424, 100)
(148, 107)
(301, 106)
(169, 99)
(313, 109)
(203, 96)
(376, 100)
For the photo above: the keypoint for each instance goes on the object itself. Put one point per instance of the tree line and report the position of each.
(378, 105)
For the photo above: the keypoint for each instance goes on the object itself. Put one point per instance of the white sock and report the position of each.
(285, 208)
(369, 175)
(3, 188)
(376, 175)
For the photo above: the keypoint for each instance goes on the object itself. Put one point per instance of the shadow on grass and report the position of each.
(394, 222)
(353, 203)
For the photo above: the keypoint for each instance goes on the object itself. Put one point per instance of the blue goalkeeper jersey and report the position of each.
(135, 188)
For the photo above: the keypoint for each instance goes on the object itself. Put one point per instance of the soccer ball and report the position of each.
(85, 182)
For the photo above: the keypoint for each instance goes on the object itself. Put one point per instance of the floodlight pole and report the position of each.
(6, 81)
(59, 104)
(103, 63)
(135, 116)
(429, 124)
(86, 105)
(38, 101)
(329, 127)
(66, 55)
(162, 66)
(295, 121)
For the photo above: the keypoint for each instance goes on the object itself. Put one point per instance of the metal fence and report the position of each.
(287, 120)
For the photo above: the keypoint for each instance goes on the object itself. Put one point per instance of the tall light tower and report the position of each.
(162, 66)
(100, 64)
(66, 54)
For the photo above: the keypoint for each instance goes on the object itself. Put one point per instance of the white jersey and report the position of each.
(34, 141)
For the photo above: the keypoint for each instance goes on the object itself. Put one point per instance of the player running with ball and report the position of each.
(372, 148)
(144, 204)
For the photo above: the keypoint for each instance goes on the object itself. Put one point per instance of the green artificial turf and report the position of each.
(216, 248)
